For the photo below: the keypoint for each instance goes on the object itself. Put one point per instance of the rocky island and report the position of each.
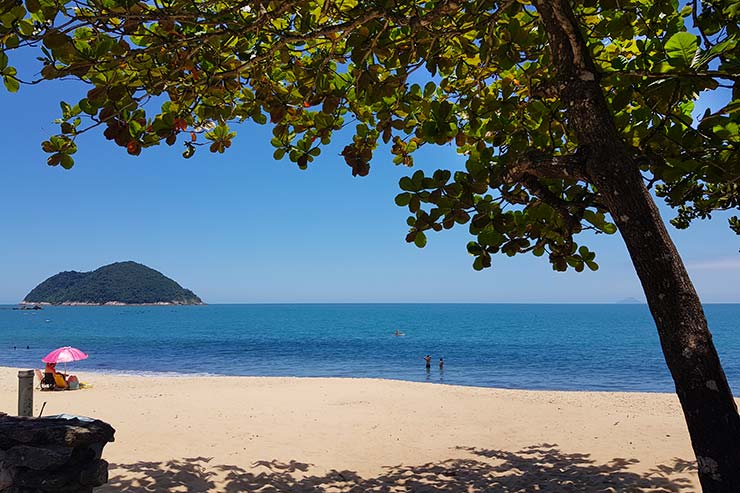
(120, 283)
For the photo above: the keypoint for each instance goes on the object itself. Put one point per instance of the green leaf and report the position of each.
(417, 180)
(11, 84)
(25, 26)
(420, 240)
(55, 39)
(60, 158)
(609, 228)
(403, 199)
(87, 107)
(67, 162)
(406, 184)
(66, 109)
(12, 41)
(681, 49)
(54, 159)
(429, 89)
(49, 71)
(33, 5)
(474, 248)
(714, 52)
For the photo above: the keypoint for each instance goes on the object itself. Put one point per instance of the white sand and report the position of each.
(235, 434)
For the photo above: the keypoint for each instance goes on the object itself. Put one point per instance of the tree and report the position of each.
(566, 111)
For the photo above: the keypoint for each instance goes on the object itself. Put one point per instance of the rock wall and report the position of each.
(52, 454)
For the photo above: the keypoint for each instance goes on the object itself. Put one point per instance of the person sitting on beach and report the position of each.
(428, 360)
(48, 381)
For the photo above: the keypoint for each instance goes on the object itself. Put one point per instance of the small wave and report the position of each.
(151, 373)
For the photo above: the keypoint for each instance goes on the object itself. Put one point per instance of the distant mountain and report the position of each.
(630, 301)
(125, 283)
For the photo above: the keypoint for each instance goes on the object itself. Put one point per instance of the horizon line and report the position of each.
(395, 303)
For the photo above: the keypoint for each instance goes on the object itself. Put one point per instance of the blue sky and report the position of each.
(242, 228)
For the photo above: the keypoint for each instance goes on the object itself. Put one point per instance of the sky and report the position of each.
(243, 228)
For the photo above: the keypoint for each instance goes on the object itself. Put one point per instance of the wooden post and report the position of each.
(25, 392)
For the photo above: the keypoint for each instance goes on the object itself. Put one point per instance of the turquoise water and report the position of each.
(573, 347)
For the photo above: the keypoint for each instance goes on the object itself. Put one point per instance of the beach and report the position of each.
(275, 434)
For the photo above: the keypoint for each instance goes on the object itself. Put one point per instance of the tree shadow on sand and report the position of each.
(540, 468)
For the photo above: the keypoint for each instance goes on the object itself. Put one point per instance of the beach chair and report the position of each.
(59, 382)
(46, 380)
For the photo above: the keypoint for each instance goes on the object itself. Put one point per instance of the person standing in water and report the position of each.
(441, 364)
(428, 360)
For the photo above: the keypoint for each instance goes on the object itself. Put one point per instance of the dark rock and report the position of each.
(52, 480)
(27, 307)
(68, 432)
(95, 474)
(7, 475)
(55, 454)
(38, 458)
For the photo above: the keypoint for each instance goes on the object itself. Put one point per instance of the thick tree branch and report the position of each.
(541, 165)
(697, 74)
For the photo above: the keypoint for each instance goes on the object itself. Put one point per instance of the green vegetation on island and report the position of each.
(127, 283)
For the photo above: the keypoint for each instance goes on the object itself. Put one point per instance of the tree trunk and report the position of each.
(701, 385)
(705, 396)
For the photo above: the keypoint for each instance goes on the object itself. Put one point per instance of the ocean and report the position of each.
(522, 346)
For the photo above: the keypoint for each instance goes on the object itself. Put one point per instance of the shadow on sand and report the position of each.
(540, 468)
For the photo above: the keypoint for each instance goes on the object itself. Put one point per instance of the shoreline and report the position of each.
(230, 433)
(165, 375)
(180, 375)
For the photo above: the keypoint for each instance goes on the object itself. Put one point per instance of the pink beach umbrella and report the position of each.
(64, 355)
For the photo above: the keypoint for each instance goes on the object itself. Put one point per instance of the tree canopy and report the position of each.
(477, 74)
